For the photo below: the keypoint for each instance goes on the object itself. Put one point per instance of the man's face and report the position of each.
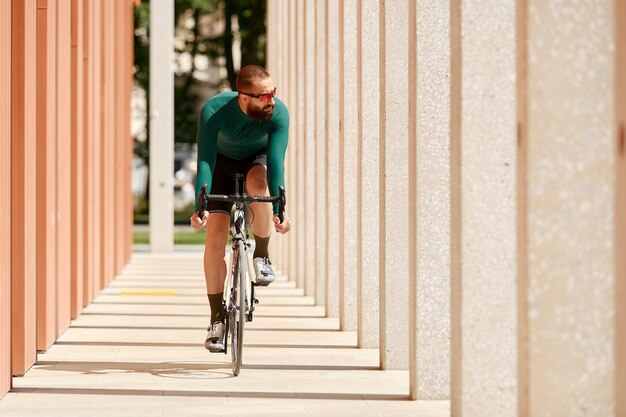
(261, 108)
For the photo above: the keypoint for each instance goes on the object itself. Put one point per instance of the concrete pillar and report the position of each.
(272, 38)
(348, 154)
(46, 174)
(431, 262)
(571, 211)
(320, 152)
(292, 163)
(483, 185)
(369, 172)
(285, 91)
(24, 190)
(161, 127)
(5, 196)
(300, 119)
(620, 208)
(332, 167)
(394, 172)
(310, 139)
(63, 154)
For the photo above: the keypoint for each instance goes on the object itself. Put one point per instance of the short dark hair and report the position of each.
(248, 74)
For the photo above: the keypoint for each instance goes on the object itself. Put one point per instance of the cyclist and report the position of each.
(240, 132)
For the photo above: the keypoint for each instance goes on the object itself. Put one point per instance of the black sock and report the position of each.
(260, 247)
(217, 312)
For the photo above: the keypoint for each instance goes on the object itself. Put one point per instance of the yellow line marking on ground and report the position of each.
(151, 292)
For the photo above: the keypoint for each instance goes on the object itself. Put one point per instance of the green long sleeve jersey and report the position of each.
(225, 129)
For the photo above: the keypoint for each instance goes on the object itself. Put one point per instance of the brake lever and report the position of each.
(202, 202)
(281, 204)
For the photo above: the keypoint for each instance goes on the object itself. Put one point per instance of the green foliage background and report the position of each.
(251, 17)
(187, 103)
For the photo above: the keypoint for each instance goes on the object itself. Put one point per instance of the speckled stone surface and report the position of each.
(488, 193)
(291, 164)
(370, 172)
(332, 197)
(433, 205)
(320, 129)
(349, 163)
(570, 208)
(310, 138)
(301, 221)
(396, 240)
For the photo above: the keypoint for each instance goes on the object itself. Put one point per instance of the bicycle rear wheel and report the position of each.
(238, 315)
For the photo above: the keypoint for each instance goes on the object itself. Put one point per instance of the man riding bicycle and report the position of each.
(240, 132)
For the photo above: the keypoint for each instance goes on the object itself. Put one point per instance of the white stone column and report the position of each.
(484, 234)
(348, 168)
(310, 146)
(284, 95)
(620, 221)
(332, 167)
(369, 163)
(571, 211)
(161, 126)
(320, 152)
(394, 239)
(301, 222)
(431, 376)
(292, 173)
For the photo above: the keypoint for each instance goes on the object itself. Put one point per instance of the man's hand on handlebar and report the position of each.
(283, 227)
(198, 223)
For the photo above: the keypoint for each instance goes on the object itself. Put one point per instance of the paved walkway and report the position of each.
(137, 351)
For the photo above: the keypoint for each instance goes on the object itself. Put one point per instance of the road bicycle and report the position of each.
(239, 299)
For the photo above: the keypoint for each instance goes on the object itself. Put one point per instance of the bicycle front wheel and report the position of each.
(238, 317)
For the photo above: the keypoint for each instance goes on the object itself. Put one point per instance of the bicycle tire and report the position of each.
(232, 313)
(239, 314)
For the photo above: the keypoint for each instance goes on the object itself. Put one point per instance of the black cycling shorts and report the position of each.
(224, 178)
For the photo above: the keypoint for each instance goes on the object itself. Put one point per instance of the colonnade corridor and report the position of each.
(136, 350)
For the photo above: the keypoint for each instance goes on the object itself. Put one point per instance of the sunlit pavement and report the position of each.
(137, 350)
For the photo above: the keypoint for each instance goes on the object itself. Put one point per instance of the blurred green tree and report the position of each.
(190, 15)
(195, 40)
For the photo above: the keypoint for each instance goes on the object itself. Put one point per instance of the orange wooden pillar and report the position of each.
(24, 186)
(46, 174)
(64, 151)
(122, 133)
(5, 196)
(96, 139)
(108, 144)
(88, 276)
(130, 54)
(78, 177)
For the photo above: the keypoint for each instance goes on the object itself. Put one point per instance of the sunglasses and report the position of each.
(265, 97)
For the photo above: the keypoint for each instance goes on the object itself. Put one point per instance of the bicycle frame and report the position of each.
(239, 308)
(240, 246)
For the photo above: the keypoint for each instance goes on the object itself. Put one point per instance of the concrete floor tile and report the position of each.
(143, 355)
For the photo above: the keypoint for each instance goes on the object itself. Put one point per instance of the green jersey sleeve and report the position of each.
(207, 150)
(278, 137)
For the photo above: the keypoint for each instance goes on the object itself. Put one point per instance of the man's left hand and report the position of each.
(283, 227)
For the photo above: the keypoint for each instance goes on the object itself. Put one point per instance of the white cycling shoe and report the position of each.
(215, 338)
(263, 270)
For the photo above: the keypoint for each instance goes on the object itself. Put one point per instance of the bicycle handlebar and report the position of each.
(204, 198)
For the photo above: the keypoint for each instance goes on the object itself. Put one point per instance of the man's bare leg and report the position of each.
(214, 274)
(256, 184)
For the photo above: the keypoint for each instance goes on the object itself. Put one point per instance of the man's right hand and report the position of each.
(198, 223)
